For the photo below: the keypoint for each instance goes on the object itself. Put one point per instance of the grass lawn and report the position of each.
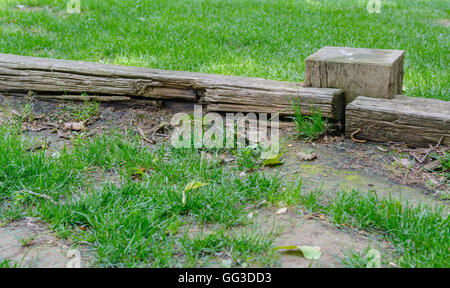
(268, 39)
(131, 204)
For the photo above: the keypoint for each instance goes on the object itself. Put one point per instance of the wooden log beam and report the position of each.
(415, 121)
(330, 101)
(51, 76)
(83, 98)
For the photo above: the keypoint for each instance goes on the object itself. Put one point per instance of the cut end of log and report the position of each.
(416, 121)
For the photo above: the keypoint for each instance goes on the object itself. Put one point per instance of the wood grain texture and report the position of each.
(376, 73)
(415, 121)
(51, 76)
(330, 101)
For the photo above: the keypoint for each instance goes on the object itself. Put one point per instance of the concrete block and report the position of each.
(373, 73)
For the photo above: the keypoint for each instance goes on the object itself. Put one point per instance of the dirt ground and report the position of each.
(334, 243)
(30, 243)
(339, 164)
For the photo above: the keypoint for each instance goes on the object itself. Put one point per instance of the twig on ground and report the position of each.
(352, 136)
(139, 130)
(42, 196)
(415, 157)
(431, 149)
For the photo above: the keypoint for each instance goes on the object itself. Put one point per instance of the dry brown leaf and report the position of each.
(306, 156)
(74, 126)
(281, 211)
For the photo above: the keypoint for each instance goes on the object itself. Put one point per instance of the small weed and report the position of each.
(444, 159)
(84, 112)
(27, 113)
(26, 241)
(248, 159)
(369, 258)
(5, 263)
(309, 127)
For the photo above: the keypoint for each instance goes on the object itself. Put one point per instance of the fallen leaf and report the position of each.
(183, 198)
(281, 211)
(381, 149)
(393, 265)
(137, 173)
(275, 160)
(306, 156)
(75, 126)
(308, 252)
(160, 127)
(191, 186)
(194, 185)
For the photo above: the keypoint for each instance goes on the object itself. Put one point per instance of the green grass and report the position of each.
(268, 39)
(420, 235)
(26, 241)
(444, 160)
(7, 264)
(309, 127)
(362, 259)
(248, 159)
(82, 113)
(22, 171)
(136, 222)
(142, 221)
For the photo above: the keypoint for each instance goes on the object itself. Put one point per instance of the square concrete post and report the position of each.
(369, 72)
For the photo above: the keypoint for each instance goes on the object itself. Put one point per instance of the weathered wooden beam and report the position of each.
(376, 73)
(51, 76)
(20, 73)
(414, 121)
(83, 98)
(330, 101)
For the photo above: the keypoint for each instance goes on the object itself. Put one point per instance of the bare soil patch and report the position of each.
(30, 243)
